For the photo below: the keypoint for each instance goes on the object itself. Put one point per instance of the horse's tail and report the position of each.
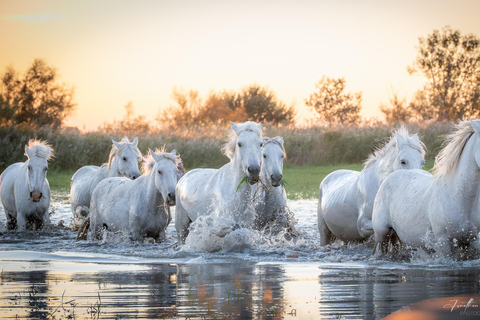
(83, 231)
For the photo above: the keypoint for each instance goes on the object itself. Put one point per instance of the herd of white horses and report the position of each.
(391, 199)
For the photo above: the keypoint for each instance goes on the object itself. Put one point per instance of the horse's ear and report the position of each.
(400, 139)
(174, 152)
(416, 138)
(116, 144)
(279, 139)
(155, 156)
(28, 152)
(234, 126)
(475, 125)
(135, 142)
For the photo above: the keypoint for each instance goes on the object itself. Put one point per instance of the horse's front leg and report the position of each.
(21, 221)
(364, 221)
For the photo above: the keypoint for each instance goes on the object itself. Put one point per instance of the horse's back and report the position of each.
(193, 189)
(7, 185)
(82, 184)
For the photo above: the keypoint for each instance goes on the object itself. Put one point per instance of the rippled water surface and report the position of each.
(48, 274)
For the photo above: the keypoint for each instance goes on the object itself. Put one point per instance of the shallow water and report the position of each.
(50, 274)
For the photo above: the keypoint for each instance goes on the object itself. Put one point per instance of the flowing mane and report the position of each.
(229, 147)
(149, 162)
(447, 160)
(40, 149)
(115, 151)
(268, 140)
(386, 148)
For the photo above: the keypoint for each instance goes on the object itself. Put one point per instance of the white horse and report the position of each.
(122, 162)
(202, 191)
(346, 197)
(141, 206)
(414, 203)
(24, 188)
(271, 198)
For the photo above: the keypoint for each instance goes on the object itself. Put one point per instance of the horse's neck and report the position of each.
(463, 184)
(382, 167)
(153, 197)
(113, 168)
(236, 176)
(274, 196)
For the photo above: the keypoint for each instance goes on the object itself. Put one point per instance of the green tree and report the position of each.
(261, 104)
(332, 104)
(37, 98)
(451, 63)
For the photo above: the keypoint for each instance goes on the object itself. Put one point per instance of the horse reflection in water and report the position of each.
(202, 192)
(122, 162)
(24, 189)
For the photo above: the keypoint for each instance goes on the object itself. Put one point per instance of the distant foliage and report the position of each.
(254, 103)
(333, 105)
(397, 111)
(129, 125)
(36, 98)
(451, 63)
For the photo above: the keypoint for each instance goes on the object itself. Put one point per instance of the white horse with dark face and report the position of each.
(415, 203)
(24, 189)
(270, 197)
(122, 162)
(139, 207)
(346, 197)
(220, 191)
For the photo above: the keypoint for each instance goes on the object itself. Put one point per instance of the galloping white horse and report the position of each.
(202, 191)
(412, 203)
(139, 206)
(122, 162)
(271, 198)
(24, 188)
(346, 197)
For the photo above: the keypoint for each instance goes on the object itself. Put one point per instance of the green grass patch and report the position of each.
(59, 180)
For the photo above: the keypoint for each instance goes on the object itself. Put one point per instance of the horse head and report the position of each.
(476, 127)
(248, 149)
(273, 155)
(38, 154)
(166, 174)
(410, 153)
(127, 155)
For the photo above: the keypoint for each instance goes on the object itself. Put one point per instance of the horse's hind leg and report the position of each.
(182, 222)
(326, 235)
(11, 221)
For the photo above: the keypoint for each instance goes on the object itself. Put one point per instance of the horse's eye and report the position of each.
(403, 162)
(159, 172)
(124, 159)
(45, 169)
(239, 144)
(29, 168)
(265, 156)
(261, 145)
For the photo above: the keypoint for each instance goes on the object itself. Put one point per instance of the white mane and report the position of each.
(115, 151)
(447, 160)
(149, 162)
(40, 149)
(229, 148)
(386, 148)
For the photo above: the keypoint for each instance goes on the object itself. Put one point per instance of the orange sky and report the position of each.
(119, 51)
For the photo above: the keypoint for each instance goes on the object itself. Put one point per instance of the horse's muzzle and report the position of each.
(171, 199)
(276, 179)
(253, 174)
(36, 196)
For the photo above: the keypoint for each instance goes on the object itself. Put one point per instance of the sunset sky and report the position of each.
(114, 52)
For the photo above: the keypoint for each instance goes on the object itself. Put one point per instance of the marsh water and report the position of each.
(247, 274)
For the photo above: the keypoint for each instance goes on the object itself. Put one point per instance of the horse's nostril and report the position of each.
(41, 194)
(31, 194)
(171, 195)
(134, 177)
(253, 170)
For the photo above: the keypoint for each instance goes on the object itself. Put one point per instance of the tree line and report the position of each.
(448, 59)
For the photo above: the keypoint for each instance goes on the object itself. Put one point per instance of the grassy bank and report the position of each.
(302, 182)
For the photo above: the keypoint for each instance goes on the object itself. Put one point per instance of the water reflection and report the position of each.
(220, 290)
